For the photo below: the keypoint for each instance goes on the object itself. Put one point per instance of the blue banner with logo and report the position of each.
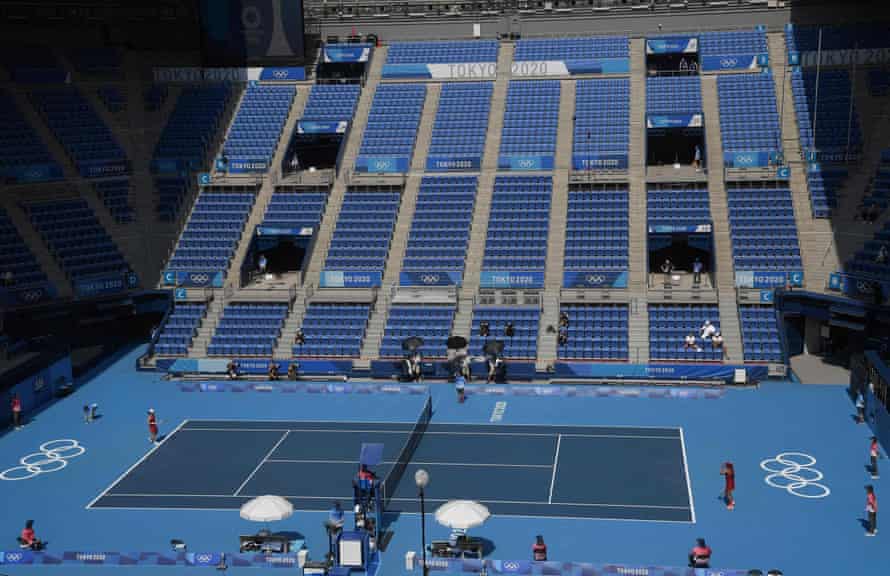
(283, 74)
(674, 121)
(347, 52)
(672, 45)
(173, 165)
(590, 370)
(449, 71)
(676, 229)
(553, 568)
(599, 161)
(272, 231)
(734, 62)
(758, 279)
(594, 279)
(382, 164)
(858, 286)
(446, 163)
(516, 162)
(209, 559)
(350, 278)
(521, 68)
(108, 284)
(196, 279)
(27, 295)
(749, 159)
(244, 165)
(314, 127)
(102, 168)
(514, 279)
(430, 278)
(31, 173)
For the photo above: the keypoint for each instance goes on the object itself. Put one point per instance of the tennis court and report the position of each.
(627, 473)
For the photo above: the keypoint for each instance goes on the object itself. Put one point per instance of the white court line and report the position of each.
(686, 471)
(413, 462)
(435, 433)
(138, 462)
(263, 461)
(481, 424)
(555, 465)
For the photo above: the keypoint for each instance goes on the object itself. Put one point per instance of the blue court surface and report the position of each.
(555, 471)
(615, 464)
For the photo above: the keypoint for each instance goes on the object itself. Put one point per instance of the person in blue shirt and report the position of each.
(697, 268)
(459, 384)
(335, 516)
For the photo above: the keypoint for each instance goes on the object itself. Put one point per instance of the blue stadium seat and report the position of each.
(760, 334)
(597, 228)
(669, 326)
(523, 343)
(432, 323)
(518, 224)
(182, 324)
(249, 329)
(595, 332)
(335, 330)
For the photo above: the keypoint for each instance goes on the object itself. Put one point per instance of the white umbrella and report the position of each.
(267, 509)
(462, 514)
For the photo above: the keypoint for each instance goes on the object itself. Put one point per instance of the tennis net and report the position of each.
(391, 481)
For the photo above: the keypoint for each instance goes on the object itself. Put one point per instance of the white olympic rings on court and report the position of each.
(53, 456)
(792, 465)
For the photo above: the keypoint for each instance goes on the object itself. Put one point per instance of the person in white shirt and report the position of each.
(690, 343)
(717, 340)
(707, 330)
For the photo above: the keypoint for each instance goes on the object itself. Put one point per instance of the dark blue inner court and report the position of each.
(627, 473)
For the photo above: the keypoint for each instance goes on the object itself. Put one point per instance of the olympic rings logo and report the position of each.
(728, 63)
(203, 558)
(280, 74)
(429, 278)
(796, 472)
(199, 278)
(511, 565)
(864, 287)
(595, 279)
(53, 456)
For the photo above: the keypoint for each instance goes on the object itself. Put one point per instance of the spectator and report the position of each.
(697, 158)
(16, 406)
(860, 408)
(460, 385)
(273, 371)
(7, 279)
(336, 517)
(871, 508)
(728, 472)
(667, 268)
(563, 337)
(494, 366)
(484, 329)
(365, 474)
(299, 339)
(697, 267)
(152, 426)
(707, 330)
(232, 370)
(717, 341)
(563, 320)
(873, 453)
(263, 263)
(539, 549)
(690, 343)
(292, 371)
(508, 330)
(881, 257)
(29, 539)
(700, 556)
(416, 366)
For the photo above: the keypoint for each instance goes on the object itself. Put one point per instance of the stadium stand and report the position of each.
(732, 43)
(669, 326)
(749, 121)
(364, 230)
(256, 130)
(103, 62)
(21, 149)
(548, 49)
(825, 183)
(879, 82)
(760, 334)
(432, 323)
(114, 99)
(27, 63)
(442, 52)
(154, 96)
(171, 190)
(177, 333)
(87, 140)
(518, 224)
(595, 332)
(76, 238)
(392, 123)
(440, 230)
(861, 35)
(673, 206)
(878, 190)
(249, 329)
(531, 118)
(602, 119)
(213, 231)
(866, 263)
(833, 121)
(115, 194)
(461, 125)
(597, 228)
(523, 343)
(762, 226)
(673, 95)
(331, 102)
(333, 330)
(16, 257)
(296, 209)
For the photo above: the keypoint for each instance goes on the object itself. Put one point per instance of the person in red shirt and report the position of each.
(871, 507)
(16, 406)
(873, 454)
(365, 474)
(539, 549)
(728, 471)
(152, 425)
(700, 556)
(28, 539)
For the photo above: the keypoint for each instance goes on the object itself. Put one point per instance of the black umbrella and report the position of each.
(494, 347)
(457, 342)
(412, 343)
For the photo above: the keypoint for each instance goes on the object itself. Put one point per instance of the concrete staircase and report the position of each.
(556, 239)
(264, 195)
(202, 339)
(638, 278)
(338, 191)
(724, 273)
(817, 246)
(32, 238)
(407, 206)
(284, 346)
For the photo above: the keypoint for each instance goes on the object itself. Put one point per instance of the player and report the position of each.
(728, 471)
(152, 426)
